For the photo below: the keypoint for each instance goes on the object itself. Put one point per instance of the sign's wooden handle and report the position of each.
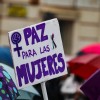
(44, 91)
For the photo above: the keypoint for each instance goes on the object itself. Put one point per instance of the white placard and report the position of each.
(38, 53)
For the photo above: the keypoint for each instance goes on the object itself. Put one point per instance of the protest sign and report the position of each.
(37, 53)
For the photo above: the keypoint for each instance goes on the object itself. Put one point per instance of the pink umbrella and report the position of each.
(93, 48)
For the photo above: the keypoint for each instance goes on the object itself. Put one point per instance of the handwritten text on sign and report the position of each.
(37, 53)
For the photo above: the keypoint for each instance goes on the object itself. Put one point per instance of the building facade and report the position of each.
(79, 20)
(16, 14)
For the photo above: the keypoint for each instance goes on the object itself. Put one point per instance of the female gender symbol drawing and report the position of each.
(16, 38)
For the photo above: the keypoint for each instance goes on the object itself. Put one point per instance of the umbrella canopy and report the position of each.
(91, 87)
(24, 96)
(84, 66)
(24, 91)
(8, 90)
(5, 56)
(93, 49)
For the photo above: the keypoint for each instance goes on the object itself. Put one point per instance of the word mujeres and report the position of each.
(47, 66)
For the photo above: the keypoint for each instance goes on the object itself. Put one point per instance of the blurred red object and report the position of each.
(85, 65)
(93, 48)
